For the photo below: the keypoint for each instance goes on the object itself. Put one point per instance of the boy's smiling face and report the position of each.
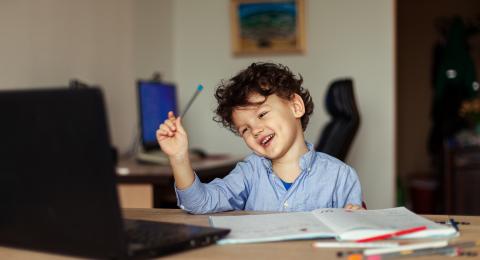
(272, 126)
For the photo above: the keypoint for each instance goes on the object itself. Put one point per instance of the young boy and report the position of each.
(265, 105)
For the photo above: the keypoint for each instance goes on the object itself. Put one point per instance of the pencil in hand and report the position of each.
(199, 89)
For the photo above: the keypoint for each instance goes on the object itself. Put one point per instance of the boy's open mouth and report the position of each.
(266, 139)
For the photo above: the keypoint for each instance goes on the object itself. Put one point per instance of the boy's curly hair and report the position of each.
(262, 78)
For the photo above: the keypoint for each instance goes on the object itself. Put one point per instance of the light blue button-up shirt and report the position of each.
(324, 182)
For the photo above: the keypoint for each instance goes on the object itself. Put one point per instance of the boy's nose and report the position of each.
(256, 133)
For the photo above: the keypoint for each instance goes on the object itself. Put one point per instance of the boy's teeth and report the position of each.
(266, 139)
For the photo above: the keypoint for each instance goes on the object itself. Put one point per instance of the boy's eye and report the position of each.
(262, 114)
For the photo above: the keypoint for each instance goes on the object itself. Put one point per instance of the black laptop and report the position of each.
(57, 182)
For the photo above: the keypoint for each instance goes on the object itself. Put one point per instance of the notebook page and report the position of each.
(271, 227)
(364, 223)
(341, 220)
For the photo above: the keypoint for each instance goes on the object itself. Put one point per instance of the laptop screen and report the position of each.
(155, 99)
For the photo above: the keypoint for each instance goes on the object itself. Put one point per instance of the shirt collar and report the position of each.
(305, 161)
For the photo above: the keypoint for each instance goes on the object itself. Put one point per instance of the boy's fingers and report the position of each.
(165, 130)
(161, 137)
(171, 116)
(168, 128)
(178, 124)
(162, 131)
(353, 207)
(163, 127)
(170, 124)
(161, 134)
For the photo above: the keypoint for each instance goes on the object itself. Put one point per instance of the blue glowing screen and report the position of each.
(155, 99)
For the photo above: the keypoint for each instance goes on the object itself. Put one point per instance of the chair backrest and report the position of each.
(337, 136)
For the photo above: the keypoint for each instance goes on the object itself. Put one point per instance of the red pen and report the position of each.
(390, 235)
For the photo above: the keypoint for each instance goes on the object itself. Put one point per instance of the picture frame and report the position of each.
(267, 26)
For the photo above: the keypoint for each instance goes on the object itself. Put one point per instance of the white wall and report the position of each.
(153, 38)
(344, 38)
(46, 43)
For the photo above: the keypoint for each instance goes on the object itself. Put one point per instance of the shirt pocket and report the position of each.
(317, 202)
(301, 204)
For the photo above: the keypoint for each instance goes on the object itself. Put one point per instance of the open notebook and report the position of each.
(326, 223)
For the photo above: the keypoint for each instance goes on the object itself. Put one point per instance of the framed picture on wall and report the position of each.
(267, 26)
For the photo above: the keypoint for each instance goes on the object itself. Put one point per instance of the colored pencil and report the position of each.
(199, 89)
(392, 235)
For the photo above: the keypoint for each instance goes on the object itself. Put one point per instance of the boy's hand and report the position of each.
(172, 138)
(353, 207)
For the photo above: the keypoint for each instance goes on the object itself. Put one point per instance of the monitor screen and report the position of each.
(155, 100)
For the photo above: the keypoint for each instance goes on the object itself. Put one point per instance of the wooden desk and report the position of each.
(275, 250)
(160, 177)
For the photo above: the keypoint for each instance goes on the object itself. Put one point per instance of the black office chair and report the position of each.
(337, 136)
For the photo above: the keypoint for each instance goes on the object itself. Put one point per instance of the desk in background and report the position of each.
(276, 250)
(147, 185)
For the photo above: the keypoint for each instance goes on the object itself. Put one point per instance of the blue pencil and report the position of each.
(199, 89)
(454, 224)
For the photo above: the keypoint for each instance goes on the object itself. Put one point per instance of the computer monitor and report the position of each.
(155, 99)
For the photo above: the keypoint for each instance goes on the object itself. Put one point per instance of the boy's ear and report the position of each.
(298, 106)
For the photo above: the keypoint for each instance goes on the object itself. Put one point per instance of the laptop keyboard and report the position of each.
(154, 238)
(147, 234)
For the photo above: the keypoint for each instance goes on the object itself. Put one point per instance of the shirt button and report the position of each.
(285, 205)
(308, 169)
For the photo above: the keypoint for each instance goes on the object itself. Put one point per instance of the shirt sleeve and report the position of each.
(229, 193)
(348, 190)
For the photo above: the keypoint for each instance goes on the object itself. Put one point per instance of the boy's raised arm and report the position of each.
(173, 141)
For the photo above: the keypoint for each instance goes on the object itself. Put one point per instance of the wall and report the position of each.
(47, 43)
(153, 38)
(416, 38)
(344, 38)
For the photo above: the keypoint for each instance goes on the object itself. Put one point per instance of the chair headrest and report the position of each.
(340, 99)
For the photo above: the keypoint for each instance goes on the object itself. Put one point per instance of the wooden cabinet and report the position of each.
(135, 195)
(462, 180)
